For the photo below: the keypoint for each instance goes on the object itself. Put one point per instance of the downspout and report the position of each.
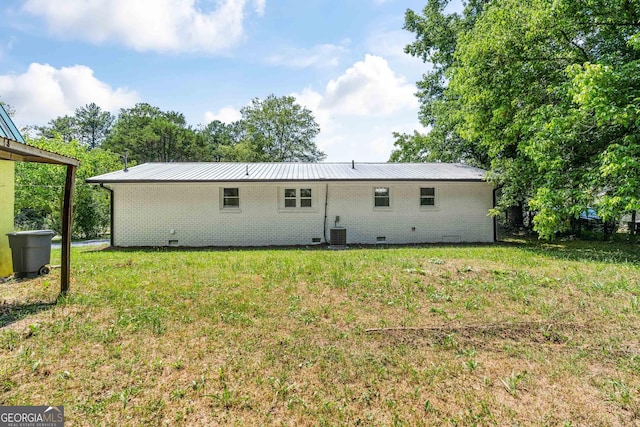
(495, 218)
(326, 202)
(111, 219)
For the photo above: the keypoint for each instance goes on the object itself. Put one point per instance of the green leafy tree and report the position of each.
(277, 129)
(153, 135)
(523, 77)
(437, 34)
(93, 124)
(65, 126)
(89, 125)
(40, 188)
(543, 93)
(224, 141)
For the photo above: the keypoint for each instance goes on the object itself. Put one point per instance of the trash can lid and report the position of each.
(33, 233)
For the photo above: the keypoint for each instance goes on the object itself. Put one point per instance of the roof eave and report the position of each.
(19, 152)
(158, 181)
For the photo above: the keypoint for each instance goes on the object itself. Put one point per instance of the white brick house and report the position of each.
(263, 204)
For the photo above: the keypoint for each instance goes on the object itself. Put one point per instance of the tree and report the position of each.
(277, 129)
(40, 188)
(543, 90)
(520, 78)
(89, 125)
(224, 141)
(153, 135)
(437, 35)
(65, 126)
(93, 124)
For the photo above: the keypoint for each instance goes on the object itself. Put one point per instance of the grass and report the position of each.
(519, 333)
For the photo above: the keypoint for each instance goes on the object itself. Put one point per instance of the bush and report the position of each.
(40, 190)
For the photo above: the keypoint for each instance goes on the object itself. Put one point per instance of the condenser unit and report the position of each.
(338, 236)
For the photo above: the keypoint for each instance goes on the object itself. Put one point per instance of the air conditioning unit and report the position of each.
(338, 236)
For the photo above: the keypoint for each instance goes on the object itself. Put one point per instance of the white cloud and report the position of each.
(324, 55)
(43, 93)
(359, 110)
(369, 88)
(226, 115)
(156, 25)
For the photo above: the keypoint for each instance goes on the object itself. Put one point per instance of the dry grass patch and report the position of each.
(521, 333)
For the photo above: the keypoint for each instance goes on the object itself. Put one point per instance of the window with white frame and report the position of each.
(427, 197)
(381, 198)
(230, 198)
(298, 198)
(290, 197)
(305, 197)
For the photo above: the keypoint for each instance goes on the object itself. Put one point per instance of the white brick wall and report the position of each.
(191, 214)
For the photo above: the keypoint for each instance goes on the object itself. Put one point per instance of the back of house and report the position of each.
(266, 204)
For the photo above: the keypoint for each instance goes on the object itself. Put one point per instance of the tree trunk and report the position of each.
(515, 216)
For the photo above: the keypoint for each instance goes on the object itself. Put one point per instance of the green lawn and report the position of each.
(519, 333)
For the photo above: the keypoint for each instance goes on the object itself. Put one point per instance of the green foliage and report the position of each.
(65, 126)
(437, 35)
(89, 125)
(277, 129)
(544, 93)
(40, 188)
(223, 141)
(153, 135)
(93, 124)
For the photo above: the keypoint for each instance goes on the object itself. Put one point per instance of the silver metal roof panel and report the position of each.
(273, 172)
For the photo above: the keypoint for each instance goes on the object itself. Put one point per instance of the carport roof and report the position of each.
(19, 152)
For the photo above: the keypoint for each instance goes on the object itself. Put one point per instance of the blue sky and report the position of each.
(342, 59)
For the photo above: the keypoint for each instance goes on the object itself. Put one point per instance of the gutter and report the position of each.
(242, 180)
(326, 204)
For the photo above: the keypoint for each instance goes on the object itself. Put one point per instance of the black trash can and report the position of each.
(31, 252)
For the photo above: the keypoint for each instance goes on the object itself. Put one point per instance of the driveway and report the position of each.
(98, 242)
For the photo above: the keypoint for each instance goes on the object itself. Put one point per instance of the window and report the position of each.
(230, 198)
(381, 197)
(305, 197)
(290, 197)
(294, 197)
(428, 196)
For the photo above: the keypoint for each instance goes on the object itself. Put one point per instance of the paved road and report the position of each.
(58, 245)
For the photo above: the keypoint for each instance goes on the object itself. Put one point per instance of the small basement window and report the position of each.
(231, 198)
(381, 197)
(427, 196)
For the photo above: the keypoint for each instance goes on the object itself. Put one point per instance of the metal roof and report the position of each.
(273, 172)
(7, 128)
(19, 152)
